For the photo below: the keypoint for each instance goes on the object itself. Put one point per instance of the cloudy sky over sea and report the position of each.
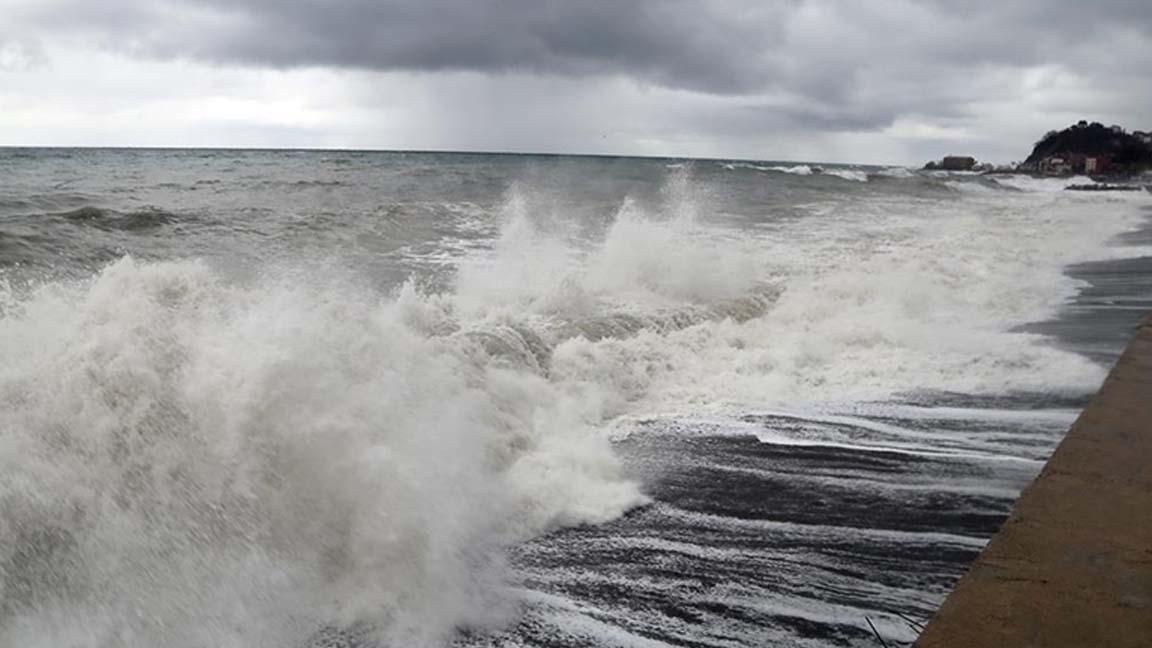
(885, 81)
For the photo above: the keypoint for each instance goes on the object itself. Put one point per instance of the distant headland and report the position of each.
(1083, 148)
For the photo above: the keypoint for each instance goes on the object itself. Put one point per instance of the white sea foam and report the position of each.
(884, 298)
(1035, 184)
(192, 462)
(799, 169)
(732, 166)
(970, 186)
(880, 302)
(855, 175)
(897, 172)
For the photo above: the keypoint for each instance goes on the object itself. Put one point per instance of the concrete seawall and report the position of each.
(1072, 565)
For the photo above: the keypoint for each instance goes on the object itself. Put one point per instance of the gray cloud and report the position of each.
(820, 66)
(714, 46)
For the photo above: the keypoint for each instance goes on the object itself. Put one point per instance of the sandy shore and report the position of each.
(1072, 565)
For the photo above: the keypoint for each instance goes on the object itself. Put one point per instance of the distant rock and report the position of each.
(957, 163)
(952, 163)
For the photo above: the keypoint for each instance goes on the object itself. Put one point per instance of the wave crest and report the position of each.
(141, 219)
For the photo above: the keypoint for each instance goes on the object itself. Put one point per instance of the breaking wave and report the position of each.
(854, 175)
(193, 459)
(196, 460)
(1030, 183)
(896, 172)
(799, 169)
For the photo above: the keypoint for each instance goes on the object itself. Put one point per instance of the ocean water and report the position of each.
(331, 398)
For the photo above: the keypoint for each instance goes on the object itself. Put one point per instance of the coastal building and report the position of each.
(1054, 165)
(1093, 149)
(1068, 163)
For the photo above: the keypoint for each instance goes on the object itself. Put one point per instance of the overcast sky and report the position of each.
(885, 81)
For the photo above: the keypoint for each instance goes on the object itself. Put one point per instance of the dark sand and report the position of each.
(1072, 565)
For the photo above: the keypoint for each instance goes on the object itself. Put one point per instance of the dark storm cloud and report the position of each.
(710, 46)
(823, 65)
(715, 46)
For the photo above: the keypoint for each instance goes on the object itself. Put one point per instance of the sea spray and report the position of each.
(191, 459)
(194, 459)
(193, 462)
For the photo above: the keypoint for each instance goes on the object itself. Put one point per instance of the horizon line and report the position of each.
(434, 151)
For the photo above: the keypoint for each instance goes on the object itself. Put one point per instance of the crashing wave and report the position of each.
(799, 169)
(854, 175)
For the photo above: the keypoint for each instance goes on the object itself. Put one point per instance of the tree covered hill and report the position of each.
(1129, 150)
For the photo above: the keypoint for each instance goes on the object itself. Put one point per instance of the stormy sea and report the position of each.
(330, 398)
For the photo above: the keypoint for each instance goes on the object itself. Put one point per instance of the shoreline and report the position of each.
(1100, 319)
(1072, 565)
